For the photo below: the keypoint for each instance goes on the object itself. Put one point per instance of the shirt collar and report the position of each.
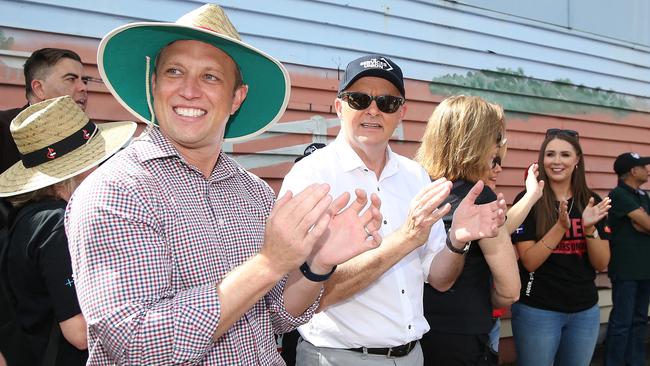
(628, 188)
(350, 160)
(156, 146)
(153, 145)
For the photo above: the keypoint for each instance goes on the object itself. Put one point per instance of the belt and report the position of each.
(391, 352)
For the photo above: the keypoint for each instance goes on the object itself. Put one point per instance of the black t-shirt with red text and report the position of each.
(565, 281)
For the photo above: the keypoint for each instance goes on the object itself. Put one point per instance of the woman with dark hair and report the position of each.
(561, 244)
(463, 137)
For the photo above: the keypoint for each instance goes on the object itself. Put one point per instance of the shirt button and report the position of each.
(220, 222)
(409, 326)
(385, 222)
(365, 170)
(403, 291)
(378, 189)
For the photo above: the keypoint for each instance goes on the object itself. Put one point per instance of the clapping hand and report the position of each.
(594, 213)
(295, 225)
(350, 232)
(474, 222)
(424, 211)
(534, 187)
(563, 215)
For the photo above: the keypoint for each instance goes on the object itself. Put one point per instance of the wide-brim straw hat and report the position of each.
(127, 54)
(57, 141)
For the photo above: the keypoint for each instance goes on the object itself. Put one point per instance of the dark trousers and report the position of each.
(289, 343)
(628, 320)
(456, 349)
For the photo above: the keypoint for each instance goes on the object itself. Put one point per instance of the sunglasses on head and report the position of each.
(559, 131)
(361, 101)
(496, 161)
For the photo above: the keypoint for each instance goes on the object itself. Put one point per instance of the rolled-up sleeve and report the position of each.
(282, 321)
(436, 243)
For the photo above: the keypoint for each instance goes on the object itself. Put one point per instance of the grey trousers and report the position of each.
(309, 355)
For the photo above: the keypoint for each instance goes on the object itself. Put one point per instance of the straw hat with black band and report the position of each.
(127, 54)
(57, 141)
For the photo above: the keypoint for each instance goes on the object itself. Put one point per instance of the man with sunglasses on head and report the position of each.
(371, 309)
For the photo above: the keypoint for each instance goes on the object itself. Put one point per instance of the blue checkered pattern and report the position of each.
(150, 237)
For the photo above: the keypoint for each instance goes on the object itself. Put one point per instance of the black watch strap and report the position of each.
(451, 247)
(306, 271)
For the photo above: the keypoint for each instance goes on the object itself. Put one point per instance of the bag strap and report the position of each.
(49, 358)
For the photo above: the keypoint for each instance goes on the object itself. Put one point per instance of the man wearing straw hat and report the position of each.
(178, 256)
(59, 147)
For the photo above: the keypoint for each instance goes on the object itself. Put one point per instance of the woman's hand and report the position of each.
(594, 213)
(563, 216)
(534, 187)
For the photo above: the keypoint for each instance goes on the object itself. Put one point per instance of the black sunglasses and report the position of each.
(559, 131)
(361, 101)
(496, 161)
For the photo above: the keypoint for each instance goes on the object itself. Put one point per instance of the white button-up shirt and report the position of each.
(389, 312)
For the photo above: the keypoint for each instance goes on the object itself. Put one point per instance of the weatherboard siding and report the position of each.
(543, 73)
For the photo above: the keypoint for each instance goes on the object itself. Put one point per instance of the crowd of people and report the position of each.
(161, 249)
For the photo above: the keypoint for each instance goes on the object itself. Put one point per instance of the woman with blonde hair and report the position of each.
(463, 137)
(59, 147)
(561, 244)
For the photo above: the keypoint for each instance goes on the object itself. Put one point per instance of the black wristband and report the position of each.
(306, 271)
(451, 247)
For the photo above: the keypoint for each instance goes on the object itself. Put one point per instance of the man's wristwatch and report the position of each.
(594, 235)
(451, 247)
(306, 271)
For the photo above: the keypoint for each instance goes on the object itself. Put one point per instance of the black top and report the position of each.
(630, 248)
(565, 281)
(40, 275)
(466, 308)
(8, 151)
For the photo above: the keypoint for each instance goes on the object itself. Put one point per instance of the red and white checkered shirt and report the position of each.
(150, 237)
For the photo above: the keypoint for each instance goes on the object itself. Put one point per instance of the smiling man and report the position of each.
(180, 255)
(372, 306)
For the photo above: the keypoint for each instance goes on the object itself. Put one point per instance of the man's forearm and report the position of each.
(640, 228)
(300, 293)
(242, 288)
(361, 271)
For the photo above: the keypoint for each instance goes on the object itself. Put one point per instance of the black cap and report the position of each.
(625, 162)
(373, 65)
(310, 149)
